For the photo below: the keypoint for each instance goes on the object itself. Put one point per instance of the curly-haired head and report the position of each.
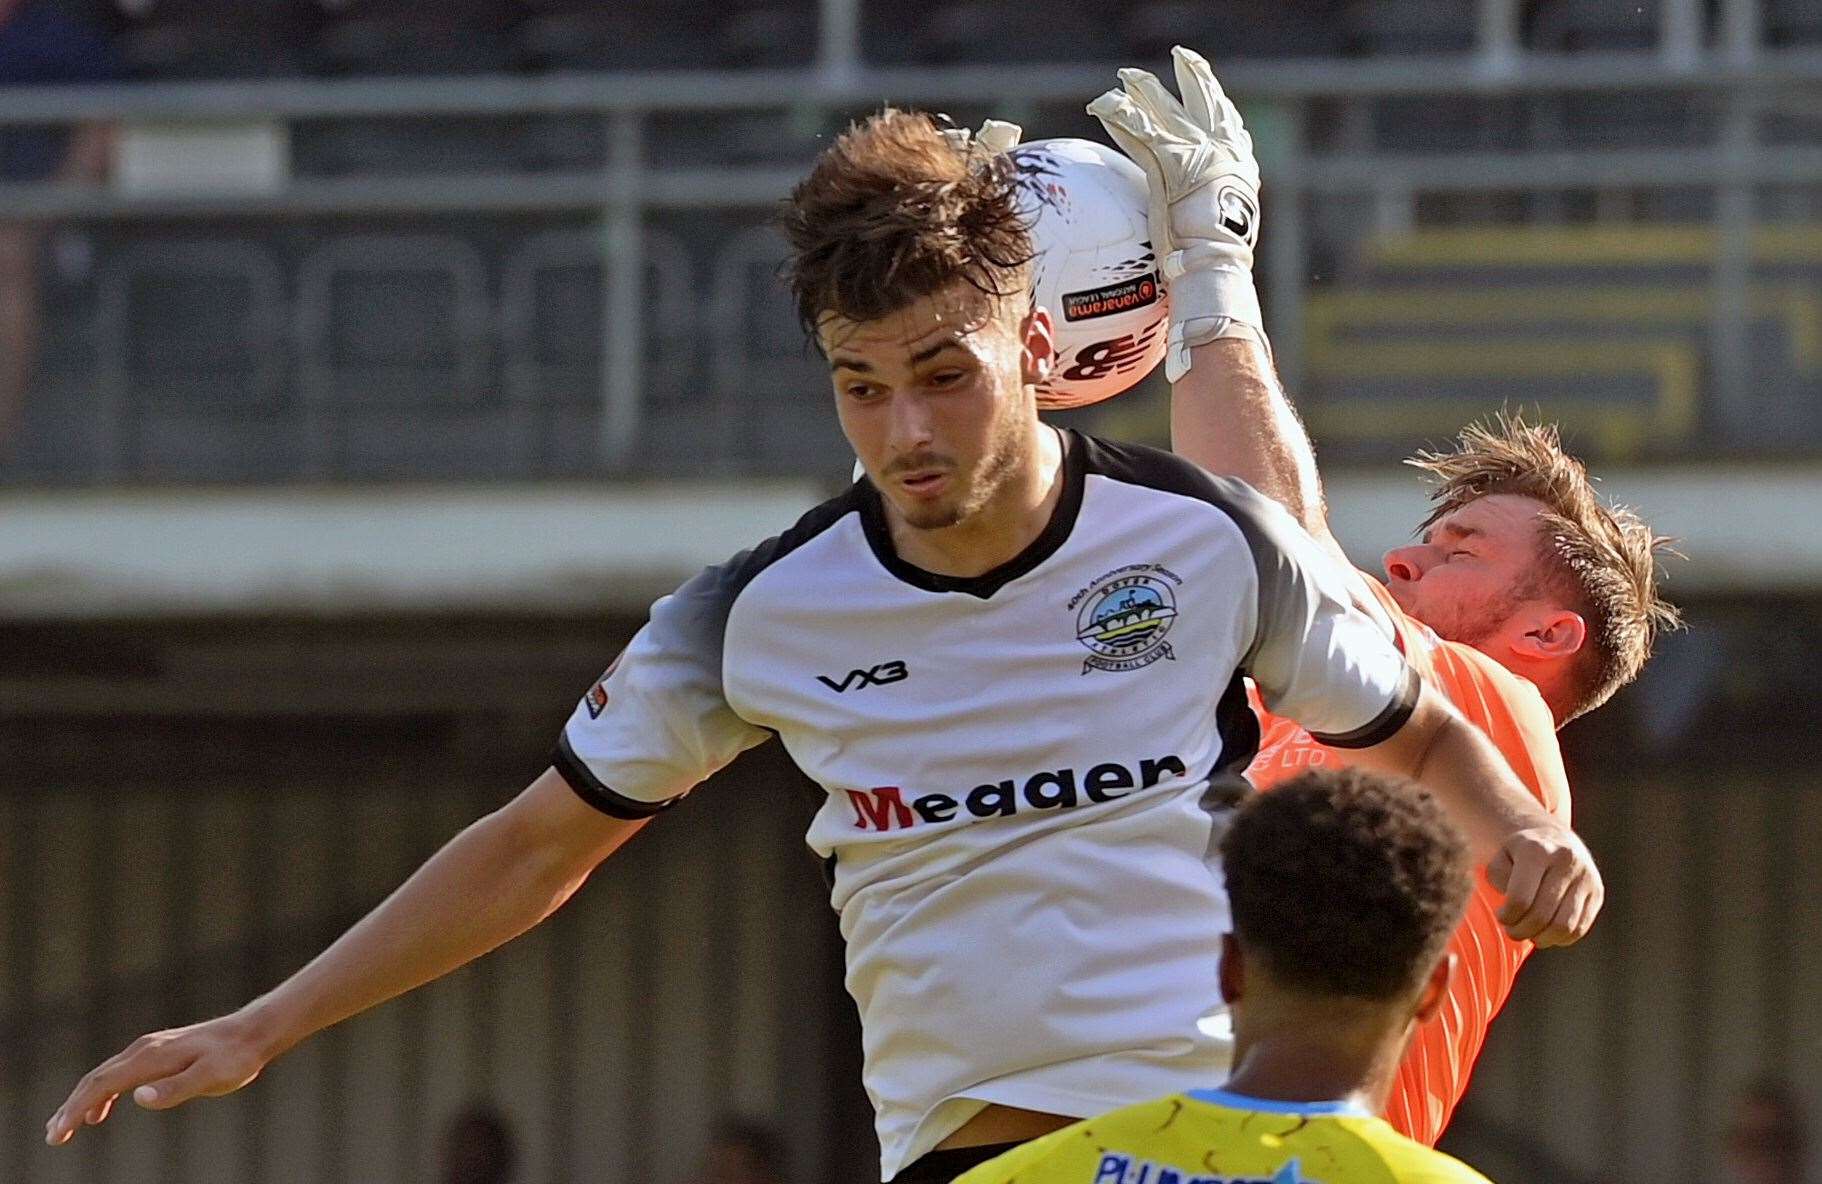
(1598, 560)
(893, 211)
(1345, 883)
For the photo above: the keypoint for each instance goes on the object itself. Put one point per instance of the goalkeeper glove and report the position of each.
(1204, 199)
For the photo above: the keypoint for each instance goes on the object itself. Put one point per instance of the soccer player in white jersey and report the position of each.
(1015, 659)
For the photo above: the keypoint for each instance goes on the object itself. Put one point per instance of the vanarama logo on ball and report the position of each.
(1104, 302)
(1124, 616)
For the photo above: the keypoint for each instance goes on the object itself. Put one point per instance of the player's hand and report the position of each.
(1553, 890)
(1204, 188)
(994, 137)
(162, 1070)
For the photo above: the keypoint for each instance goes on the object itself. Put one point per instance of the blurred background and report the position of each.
(366, 367)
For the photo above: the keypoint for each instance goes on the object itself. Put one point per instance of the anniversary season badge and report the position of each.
(1124, 616)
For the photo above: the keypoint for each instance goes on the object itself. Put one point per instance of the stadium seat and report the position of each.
(633, 36)
(174, 40)
(191, 361)
(180, 51)
(559, 142)
(393, 337)
(1438, 321)
(775, 137)
(396, 45)
(553, 304)
(1633, 119)
(1235, 29)
(381, 38)
(1792, 22)
(772, 37)
(768, 391)
(1391, 27)
(1581, 26)
(1620, 120)
(376, 147)
(984, 31)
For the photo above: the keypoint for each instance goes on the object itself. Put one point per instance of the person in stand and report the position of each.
(40, 45)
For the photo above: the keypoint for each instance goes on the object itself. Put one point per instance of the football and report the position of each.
(1094, 268)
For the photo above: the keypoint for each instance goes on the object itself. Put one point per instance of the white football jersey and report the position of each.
(1027, 771)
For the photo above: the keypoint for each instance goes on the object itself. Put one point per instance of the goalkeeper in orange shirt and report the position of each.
(1345, 887)
(1526, 600)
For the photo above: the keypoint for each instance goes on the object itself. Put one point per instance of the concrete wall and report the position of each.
(188, 811)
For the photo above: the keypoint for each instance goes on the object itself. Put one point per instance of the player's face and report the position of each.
(1475, 570)
(936, 400)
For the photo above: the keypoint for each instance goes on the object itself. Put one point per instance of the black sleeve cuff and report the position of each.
(1384, 725)
(588, 787)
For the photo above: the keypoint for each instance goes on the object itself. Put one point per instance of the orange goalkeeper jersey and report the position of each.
(1511, 712)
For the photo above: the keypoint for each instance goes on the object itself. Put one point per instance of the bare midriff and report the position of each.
(1003, 1124)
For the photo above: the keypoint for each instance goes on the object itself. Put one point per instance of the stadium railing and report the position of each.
(714, 383)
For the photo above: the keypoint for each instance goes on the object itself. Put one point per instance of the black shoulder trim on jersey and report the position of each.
(1238, 728)
(1227, 787)
(741, 570)
(1382, 726)
(588, 787)
(1167, 472)
(1053, 536)
(1154, 468)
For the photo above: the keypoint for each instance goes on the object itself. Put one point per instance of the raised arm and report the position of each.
(492, 882)
(1230, 415)
(1229, 412)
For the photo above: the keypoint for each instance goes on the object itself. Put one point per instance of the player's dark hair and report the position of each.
(479, 1146)
(763, 1146)
(1599, 560)
(1345, 883)
(892, 211)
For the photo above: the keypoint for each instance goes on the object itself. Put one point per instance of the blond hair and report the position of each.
(1600, 559)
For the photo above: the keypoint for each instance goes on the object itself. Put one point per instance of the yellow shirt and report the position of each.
(1214, 1137)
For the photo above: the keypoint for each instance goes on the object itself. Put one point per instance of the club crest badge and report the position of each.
(1124, 617)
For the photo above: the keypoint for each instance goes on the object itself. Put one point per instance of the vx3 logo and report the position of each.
(877, 676)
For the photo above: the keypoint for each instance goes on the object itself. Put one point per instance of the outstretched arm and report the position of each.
(653, 726)
(1553, 890)
(492, 882)
(1229, 413)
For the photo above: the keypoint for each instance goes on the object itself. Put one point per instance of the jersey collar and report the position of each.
(1054, 535)
(1233, 1101)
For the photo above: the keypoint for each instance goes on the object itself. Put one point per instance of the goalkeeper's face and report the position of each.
(937, 399)
(1480, 575)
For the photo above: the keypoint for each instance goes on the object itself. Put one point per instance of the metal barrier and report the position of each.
(1329, 188)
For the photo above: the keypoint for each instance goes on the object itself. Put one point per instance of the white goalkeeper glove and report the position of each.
(1204, 195)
